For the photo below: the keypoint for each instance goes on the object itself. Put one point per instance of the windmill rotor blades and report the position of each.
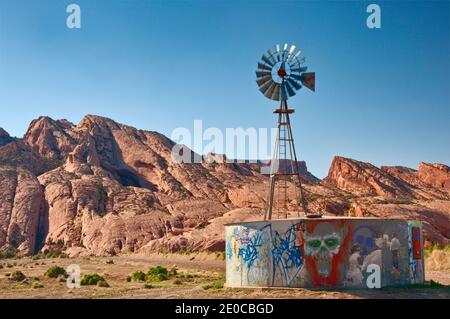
(261, 74)
(289, 89)
(262, 66)
(276, 94)
(297, 77)
(294, 84)
(271, 89)
(281, 72)
(265, 59)
(263, 80)
(265, 87)
(300, 69)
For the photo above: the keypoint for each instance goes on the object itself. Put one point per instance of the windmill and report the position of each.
(281, 72)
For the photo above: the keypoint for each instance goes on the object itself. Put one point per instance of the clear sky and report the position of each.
(382, 95)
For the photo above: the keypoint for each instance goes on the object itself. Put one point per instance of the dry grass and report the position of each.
(438, 259)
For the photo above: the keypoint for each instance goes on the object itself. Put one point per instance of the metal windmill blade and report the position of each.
(289, 89)
(271, 90)
(294, 84)
(263, 80)
(265, 87)
(281, 73)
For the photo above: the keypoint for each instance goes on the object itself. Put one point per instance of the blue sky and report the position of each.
(382, 95)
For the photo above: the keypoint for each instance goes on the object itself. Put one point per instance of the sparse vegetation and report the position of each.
(48, 255)
(138, 276)
(91, 279)
(17, 276)
(157, 273)
(37, 285)
(217, 284)
(55, 271)
(8, 253)
(177, 282)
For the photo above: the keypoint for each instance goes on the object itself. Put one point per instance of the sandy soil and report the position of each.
(195, 273)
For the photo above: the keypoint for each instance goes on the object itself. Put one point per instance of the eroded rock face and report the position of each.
(435, 175)
(4, 137)
(21, 205)
(364, 178)
(100, 187)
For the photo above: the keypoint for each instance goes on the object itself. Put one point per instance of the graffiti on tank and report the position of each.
(370, 248)
(364, 238)
(414, 252)
(286, 254)
(249, 250)
(325, 245)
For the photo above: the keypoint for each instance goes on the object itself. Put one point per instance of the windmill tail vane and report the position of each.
(281, 73)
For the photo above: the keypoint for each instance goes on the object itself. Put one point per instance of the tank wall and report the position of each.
(324, 253)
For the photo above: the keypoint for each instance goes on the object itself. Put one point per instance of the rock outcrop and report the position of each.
(364, 178)
(101, 187)
(435, 175)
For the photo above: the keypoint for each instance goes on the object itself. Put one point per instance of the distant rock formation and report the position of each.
(105, 188)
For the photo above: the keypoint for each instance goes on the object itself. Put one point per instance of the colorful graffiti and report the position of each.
(415, 244)
(325, 244)
(287, 256)
(322, 253)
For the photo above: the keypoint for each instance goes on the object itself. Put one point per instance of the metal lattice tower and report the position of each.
(280, 74)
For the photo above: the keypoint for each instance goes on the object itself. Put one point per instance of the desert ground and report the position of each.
(197, 276)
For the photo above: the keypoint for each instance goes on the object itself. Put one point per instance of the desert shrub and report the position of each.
(49, 254)
(18, 276)
(177, 282)
(37, 285)
(91, 279)
(103, 283)
(157, 273)
(148, 286)
(437, 258)
(8, 253)
(55, 271)
(217, 284)
(9, 265)
(138, 276)
(158, 270)
(157, 277)
(1, 266)
(110, 262)
(173, 271)
(128, 279)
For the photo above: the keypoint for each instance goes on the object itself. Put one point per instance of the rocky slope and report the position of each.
(100, 187)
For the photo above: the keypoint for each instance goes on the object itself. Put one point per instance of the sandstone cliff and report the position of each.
(101, 187)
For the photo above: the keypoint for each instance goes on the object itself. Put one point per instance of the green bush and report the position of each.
(91, 279)
(55, 271)
(217, 284)
(37, 285)
(157, 277)
(138, 276)
(157, 273)
(17, 276)
(158, 270)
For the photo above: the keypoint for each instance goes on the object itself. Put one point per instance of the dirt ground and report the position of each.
(196, 276)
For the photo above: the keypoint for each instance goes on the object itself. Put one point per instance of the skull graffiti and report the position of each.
(322, 246)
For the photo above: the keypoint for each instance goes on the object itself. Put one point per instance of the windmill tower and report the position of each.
(281, 72)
